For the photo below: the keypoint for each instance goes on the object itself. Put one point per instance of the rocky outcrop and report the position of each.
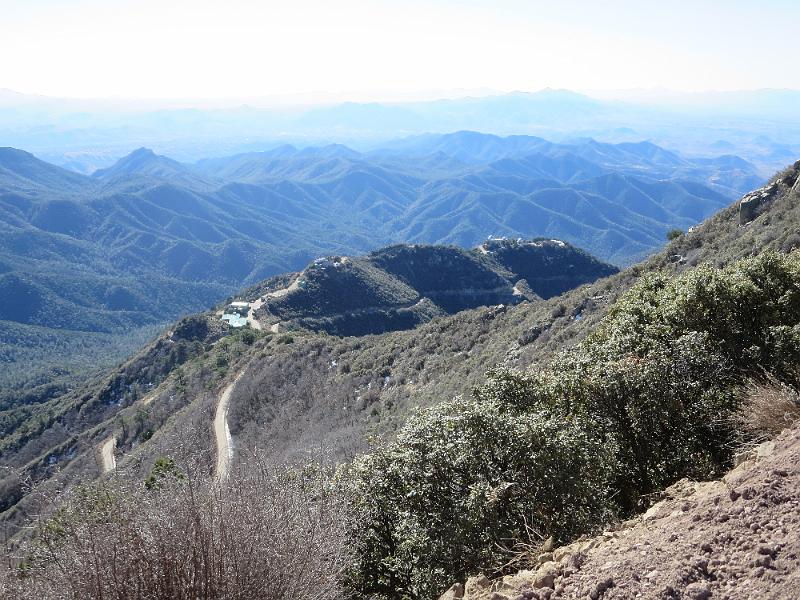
(791, 177)
(737, 538)
(200, 328)
(750, 205)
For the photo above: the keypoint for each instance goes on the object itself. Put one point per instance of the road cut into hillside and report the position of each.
(275, 327)
(282, 292)
(251, 315)
(107, 454)
(222, 433)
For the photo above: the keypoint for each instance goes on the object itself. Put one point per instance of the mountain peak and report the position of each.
(13, 154)
(142, 152)
(145, 162)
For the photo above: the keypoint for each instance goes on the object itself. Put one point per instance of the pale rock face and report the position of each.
(545, 575)
(476, 586)
(749, 205)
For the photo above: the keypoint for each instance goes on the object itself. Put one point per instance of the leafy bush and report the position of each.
(464, 484)
(674, 234)
(660, 374)
(644, 400)
(658, 412)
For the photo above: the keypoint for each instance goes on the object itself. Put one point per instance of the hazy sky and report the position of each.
(242, 48)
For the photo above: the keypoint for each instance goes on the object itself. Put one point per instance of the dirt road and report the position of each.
(281, 293)
(251, 316)
(107, 454)
(222, 433)
(272, 295)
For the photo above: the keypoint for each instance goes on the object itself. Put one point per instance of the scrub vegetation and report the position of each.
(465, 445)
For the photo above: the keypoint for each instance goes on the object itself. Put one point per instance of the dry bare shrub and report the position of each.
(768, 408)
(269, 533)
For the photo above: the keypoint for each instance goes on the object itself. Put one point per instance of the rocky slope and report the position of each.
(737, 539)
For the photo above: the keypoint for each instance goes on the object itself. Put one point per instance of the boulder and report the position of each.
(454, 593)
(749, 205)
(477, 586)
(545, 575)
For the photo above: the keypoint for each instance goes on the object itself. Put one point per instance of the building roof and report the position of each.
(234, 320)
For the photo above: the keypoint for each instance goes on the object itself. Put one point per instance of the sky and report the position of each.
(360, 49)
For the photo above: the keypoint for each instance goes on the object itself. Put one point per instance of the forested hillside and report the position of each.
(402, 286)
(149, 239)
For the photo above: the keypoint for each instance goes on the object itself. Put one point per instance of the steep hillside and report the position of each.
(292, 392)
(736, 538)
(401, 286)
(21, 172)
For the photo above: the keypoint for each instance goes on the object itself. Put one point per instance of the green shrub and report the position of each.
(659, 412)
(660, 374)
(674, 234)
(164, 469)
(644, 400)
(462, 486)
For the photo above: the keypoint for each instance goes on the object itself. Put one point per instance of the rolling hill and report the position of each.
(402, 286)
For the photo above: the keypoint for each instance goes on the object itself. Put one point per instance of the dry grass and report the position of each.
(270, 533)
(768, 408)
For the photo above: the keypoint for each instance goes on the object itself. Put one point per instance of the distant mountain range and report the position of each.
(151, 238)
(762, 126)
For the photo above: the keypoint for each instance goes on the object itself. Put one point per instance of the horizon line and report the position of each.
(388, 97)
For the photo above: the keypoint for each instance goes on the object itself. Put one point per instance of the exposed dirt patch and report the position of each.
(251, 315)
(735, 539)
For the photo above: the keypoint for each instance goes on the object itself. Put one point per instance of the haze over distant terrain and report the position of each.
(762, 126)
(197, 49)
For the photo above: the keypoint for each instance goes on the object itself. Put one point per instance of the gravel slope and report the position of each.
(735, 539)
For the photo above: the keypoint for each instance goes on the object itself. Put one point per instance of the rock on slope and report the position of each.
(735, 539)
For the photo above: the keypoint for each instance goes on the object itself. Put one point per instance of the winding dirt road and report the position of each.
(275, 327)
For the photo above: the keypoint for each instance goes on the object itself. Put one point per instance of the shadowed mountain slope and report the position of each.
(402, 286)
